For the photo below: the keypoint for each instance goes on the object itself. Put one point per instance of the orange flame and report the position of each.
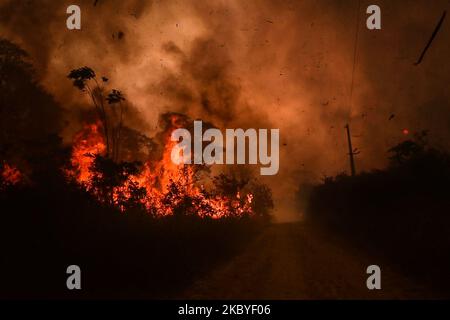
(88, 143)
(169, 188)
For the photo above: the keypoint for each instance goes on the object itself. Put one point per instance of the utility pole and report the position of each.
(351, 153)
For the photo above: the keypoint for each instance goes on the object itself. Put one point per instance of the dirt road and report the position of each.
(291, 261)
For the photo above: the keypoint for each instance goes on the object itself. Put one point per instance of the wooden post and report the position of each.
(350, 151)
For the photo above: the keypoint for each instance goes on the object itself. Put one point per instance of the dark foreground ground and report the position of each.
(278, 261)
(298, 261)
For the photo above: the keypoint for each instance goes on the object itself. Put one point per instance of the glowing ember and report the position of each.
(10, 175)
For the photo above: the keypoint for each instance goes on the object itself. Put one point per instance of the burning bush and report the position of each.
(157, 184)
(9, 175)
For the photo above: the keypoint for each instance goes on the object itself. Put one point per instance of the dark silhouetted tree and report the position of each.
(110, 114)
(408, 149)
(28, 115)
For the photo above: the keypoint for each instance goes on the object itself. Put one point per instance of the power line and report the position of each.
(355, 58)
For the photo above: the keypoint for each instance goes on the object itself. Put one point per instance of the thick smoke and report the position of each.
(263, 64)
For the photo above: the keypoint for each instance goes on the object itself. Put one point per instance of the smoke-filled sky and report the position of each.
(259, 64)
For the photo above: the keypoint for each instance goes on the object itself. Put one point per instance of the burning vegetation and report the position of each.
(10, 175)
(156, 184)
(159, 186)
(109, 159)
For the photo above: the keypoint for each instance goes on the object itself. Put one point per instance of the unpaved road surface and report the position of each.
(291, 261)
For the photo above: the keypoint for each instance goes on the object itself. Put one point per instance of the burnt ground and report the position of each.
(298, 261)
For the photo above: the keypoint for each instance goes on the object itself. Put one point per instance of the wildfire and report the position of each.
(164, 188)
